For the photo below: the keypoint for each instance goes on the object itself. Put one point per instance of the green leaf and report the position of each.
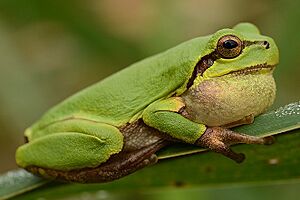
(264, 164)
(275, 190)
(17, 182)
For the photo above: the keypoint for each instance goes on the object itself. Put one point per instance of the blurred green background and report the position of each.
(50, 49)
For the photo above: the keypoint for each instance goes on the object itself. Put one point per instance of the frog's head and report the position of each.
(239, 50)
(234, 78)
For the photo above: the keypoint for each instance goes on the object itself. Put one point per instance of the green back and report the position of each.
(117, 98)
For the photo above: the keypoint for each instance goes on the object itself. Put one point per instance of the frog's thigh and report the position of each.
(72, 150)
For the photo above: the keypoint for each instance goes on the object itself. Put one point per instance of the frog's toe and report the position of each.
(151, 160)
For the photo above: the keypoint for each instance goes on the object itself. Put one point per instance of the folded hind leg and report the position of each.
(115, 167)
(69, 145)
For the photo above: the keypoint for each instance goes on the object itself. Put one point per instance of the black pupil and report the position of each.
(230, 44)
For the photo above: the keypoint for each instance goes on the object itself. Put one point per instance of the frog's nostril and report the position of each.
(266, 44)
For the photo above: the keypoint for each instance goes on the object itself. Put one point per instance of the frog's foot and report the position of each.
(246, 120)
(125, 163)
(219, 140)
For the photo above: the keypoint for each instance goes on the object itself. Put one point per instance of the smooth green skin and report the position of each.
(82, 131)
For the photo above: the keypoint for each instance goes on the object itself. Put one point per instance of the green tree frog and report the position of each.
(192, 93)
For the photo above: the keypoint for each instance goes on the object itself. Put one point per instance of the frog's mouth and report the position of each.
(253, 69)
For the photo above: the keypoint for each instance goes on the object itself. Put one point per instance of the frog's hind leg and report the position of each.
(68, 145)
(85, 151)
(115, 167)
(125, 163)
(219, 140)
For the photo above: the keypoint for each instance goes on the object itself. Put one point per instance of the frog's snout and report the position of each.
(263, 43)
(27, 135)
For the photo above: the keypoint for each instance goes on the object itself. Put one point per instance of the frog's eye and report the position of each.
(229, 46)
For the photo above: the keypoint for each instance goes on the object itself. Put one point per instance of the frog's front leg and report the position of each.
(220, 139)
(164, 115)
